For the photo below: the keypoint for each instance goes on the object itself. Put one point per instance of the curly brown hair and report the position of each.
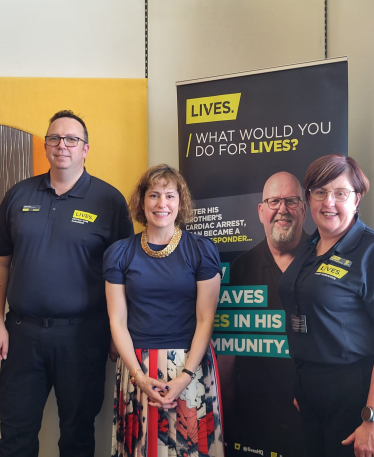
(149, 179)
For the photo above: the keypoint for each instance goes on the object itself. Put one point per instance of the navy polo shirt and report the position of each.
(335, 292)
(57, 244)
(161, 292)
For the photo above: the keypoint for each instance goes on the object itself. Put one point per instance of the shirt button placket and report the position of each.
(53, 210)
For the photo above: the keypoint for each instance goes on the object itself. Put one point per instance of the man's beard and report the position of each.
(283, 235)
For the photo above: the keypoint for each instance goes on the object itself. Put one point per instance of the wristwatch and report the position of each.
(367, 414)
(189, 373)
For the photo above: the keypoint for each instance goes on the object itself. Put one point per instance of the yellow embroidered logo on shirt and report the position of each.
(332, 270)
(84, 216)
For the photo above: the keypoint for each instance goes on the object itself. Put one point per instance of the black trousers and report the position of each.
(331, 399)
(70, 358)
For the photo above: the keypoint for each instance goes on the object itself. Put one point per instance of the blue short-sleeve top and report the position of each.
(161, 292)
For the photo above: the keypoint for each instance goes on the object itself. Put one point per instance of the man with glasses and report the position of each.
(282, 213)
(263, 387)
(54, 229)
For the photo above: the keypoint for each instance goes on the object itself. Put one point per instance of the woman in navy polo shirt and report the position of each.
(328, 295)
(162, 290)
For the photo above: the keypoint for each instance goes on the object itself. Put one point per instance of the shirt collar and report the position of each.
(349, 241)
(78, 190)
(268, 258)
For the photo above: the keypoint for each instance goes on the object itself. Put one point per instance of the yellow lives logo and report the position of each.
(212, 109)
(84, 216)
(332, 270)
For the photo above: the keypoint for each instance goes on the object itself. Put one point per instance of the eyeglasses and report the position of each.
(69, 141)
(290, 202)
(339, 195)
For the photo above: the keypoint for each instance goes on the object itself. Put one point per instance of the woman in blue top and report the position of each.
(328, 295)
(162, 289)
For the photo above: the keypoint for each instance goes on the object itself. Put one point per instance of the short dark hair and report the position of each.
(329, 167)
(152, 177)
(69, 113)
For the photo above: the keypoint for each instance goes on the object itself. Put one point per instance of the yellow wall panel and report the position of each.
(114, 110)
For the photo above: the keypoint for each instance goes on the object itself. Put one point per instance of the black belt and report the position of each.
(47, 322)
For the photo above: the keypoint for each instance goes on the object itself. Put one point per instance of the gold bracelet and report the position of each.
(132, 377)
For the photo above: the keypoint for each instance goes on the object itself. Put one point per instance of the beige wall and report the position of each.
(72, 38)
(191, 39)
(351, 33)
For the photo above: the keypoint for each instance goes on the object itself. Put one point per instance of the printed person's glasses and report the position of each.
(339, 195)
(290, 202)
(69, 141)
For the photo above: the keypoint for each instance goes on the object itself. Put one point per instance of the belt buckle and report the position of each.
(46, 322)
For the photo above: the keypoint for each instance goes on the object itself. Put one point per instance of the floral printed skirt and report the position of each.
(193, 428)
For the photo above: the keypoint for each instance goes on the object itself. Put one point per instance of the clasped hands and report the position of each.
(160, 394)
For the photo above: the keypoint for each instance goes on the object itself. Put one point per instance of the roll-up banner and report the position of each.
(235, 132)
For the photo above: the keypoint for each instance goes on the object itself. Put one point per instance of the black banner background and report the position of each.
(307, 105)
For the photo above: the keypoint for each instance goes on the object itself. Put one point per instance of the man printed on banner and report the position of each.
(258, 391)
